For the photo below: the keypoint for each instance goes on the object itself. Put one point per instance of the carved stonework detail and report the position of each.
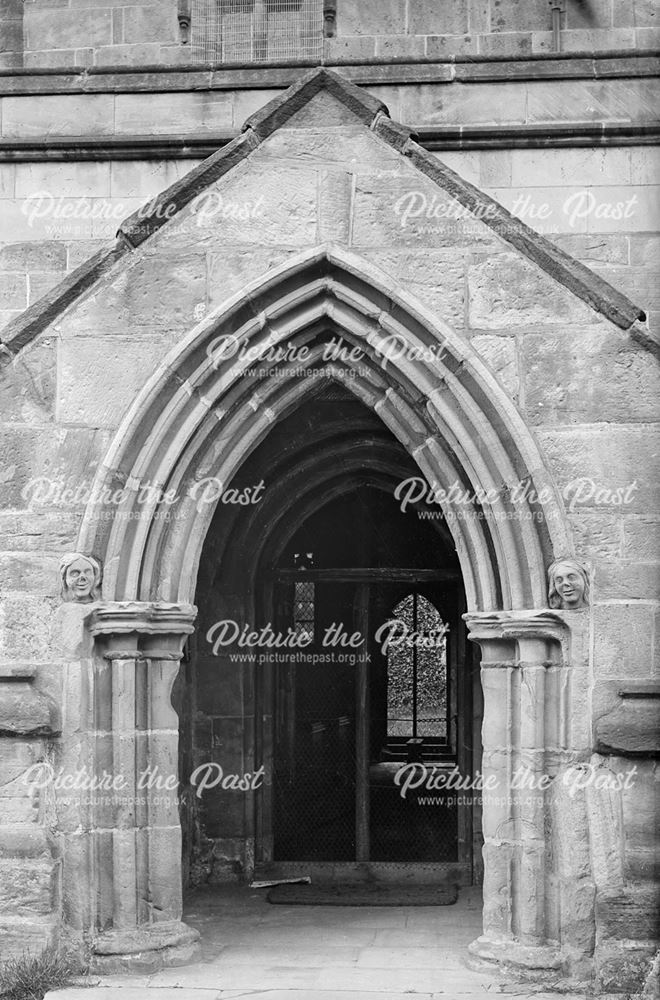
(568, 585)
(80, 577)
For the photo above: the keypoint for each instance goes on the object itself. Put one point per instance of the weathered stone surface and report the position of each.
(601, 39)
(597, 533)
(627, 724)
(571, 167)
(231, 269)
(158, 294)
(67, 29)
(140, 179)
(624, 579)
(13, 291)
(39, 315)
(250, 210)
(435, 277)
(79, 251)
(427, 18)
(150, 24)
(501, 356)
(645, 250)
(510, 43)
(62, 115)
(603, 248)
(516, 15)
(633, 914)
(26, 627)
(549, 103)
(622, 967)
(577, 891)
(406, 211)
(41, 183)
(640, 818)
(36, 256)
(39, 285)
(506, 291)
(27, 934)
(28, 530)
(372, 17)
(389, 45)
(98, 381)
(641, 536)
(588, 376)
(24, 711)
(350, 48)
(322, 108)
(18, 805)
(23, 840)
(33, 572)
(27, 886)
(623, 640)
(351, 147)
(27, 384)
(318, 95)
(335, 194)
(609, 467)
(163, 114)
(142, 53)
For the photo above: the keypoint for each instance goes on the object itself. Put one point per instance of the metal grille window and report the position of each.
(248, 31)
(417, 673)
(303, 609)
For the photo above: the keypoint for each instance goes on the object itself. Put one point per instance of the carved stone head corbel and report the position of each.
(568, 585)
(80, 577)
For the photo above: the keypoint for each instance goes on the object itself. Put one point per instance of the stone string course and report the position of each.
(130, 32)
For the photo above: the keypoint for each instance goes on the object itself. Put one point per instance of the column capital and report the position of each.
(143, 617)
(524, 624)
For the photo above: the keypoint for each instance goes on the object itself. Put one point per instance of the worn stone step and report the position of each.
(130, 992)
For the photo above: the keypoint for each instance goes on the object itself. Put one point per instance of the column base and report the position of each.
(541, 963)
(145, 949)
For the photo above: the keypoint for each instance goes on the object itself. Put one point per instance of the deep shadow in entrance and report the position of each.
(327, 555)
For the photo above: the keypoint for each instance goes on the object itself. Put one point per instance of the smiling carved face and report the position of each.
(569, 585)
(79, 580)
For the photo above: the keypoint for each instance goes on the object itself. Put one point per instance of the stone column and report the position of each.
(525, 675)
(137, 649)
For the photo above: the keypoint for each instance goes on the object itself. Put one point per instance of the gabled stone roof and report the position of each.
(374, 115)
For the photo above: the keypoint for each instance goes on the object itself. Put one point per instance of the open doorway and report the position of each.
(353, 726)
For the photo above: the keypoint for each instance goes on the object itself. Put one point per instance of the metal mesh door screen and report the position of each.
(315, 766)
(249, 31)
(314, 759)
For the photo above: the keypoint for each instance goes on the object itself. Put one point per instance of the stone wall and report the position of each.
(44, 33)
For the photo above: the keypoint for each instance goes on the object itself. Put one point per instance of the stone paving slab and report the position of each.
(130, 992)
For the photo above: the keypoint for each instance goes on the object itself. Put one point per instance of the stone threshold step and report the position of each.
(129, 992)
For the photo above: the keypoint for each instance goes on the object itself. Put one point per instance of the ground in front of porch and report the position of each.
(252, 948)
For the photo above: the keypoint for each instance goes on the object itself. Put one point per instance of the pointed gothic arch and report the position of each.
(198, 417)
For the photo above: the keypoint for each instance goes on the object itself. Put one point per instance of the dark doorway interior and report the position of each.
(328, 546)
(355, 716)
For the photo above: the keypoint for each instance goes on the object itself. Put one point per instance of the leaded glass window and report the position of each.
(417, 673)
